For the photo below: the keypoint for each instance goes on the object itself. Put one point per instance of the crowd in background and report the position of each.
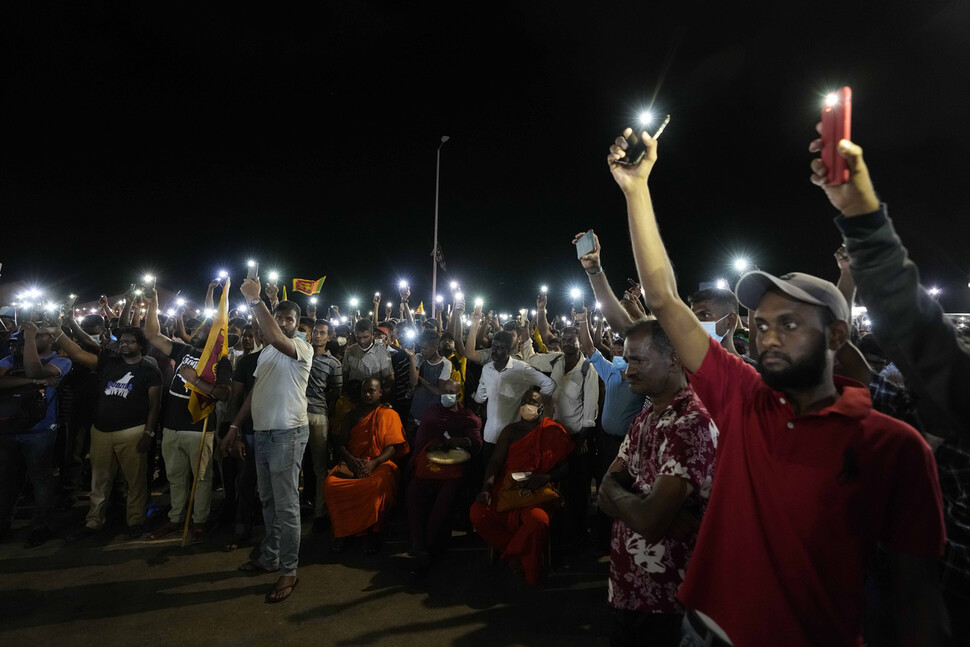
(788, 477)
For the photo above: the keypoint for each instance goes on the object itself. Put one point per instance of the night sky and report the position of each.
(184, 139)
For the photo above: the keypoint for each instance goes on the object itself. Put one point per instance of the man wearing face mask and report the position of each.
(446, 425)
(535, 449)
(717, 310)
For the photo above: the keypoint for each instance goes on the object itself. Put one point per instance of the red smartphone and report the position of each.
(836, 125)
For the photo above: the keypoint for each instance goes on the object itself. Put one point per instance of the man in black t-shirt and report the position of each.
(181, 438)
(239, 466)
(126, 411)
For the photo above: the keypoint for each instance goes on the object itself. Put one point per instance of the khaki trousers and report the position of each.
(111, 451)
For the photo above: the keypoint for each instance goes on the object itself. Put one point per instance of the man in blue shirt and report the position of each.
(33, 362)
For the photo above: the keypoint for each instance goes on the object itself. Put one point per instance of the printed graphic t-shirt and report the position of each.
(123, 391)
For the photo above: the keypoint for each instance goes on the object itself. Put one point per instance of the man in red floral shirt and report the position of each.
(664, 468)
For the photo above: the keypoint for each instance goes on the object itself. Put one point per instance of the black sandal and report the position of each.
(289, 591)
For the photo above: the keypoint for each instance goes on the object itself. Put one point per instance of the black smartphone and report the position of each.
(637, 149)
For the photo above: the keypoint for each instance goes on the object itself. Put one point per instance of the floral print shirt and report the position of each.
(678, 441)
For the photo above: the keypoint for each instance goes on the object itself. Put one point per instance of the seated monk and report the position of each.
(362, 488)
(534, 444)
(446, 425)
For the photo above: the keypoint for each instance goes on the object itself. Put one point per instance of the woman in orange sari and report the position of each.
(536, 445)
(362, 488)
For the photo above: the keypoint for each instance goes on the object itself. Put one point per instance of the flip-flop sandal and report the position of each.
(280, 598)
(254, 568)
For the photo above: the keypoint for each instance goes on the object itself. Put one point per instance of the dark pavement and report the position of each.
(106, 590)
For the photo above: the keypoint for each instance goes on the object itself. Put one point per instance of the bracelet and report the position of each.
(596, 273)
(234, 427)
(58, 337)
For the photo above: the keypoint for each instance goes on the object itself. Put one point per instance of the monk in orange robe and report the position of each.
(533, 444)
(362, 488)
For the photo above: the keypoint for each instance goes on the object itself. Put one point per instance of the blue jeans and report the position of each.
(279, 454)
(37, 450)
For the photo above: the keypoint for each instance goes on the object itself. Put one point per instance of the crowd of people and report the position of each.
(784, 479)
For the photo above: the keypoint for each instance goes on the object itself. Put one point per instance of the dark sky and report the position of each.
(184, 139)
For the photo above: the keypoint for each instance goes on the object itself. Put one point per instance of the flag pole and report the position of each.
(434, 252)
(195, 483)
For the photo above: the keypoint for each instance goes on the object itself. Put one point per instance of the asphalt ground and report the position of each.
(106, 590)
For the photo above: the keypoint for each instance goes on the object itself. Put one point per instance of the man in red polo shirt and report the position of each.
(809, 479)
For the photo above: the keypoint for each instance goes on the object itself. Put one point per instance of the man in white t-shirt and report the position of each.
(278, 406)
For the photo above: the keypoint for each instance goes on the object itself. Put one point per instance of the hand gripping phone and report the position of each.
(836, 125)
(637, 149)
(585, 245)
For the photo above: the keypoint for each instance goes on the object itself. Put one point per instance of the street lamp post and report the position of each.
(434, 251)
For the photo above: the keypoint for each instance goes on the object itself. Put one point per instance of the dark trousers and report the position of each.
(429, 507)
(636, 628)
(242, 474)
(36, 450)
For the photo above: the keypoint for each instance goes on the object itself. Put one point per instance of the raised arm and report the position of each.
(73, 351)
(617, 317)
(542, 322)
(250, 289)
(654, 268)
(471, 344)
(907, 320)
(152, 330)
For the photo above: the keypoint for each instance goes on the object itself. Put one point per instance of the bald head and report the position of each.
(451, 387)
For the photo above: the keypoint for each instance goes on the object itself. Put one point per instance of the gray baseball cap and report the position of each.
(802, 287)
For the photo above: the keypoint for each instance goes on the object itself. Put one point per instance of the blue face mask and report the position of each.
(301, 335)
(620, 363)
(448, 400)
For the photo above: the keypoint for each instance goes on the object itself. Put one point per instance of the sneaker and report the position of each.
(136, 531)
(38, 536)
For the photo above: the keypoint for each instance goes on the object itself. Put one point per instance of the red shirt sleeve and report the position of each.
(723, 382)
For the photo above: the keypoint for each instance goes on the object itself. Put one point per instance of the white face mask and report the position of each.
(342, 341)
(448, 400)
(711, 328)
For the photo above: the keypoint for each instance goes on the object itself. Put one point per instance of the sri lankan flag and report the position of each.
(308, 287)
(420, 309)
(216, 347)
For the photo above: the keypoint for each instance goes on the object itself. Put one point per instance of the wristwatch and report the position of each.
(149, 433)
(255, 302)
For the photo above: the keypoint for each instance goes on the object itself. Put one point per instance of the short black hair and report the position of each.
(511, 325)
(307, 321)
(138, 334)
(658, 336)
(503, 336)
(364, 325)
(289, 306)
(323, 322)
(720, 297)
(429, 337)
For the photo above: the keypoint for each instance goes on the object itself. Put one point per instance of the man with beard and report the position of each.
(128, 402)
(278, 406)
(181, 437)
(810, 479)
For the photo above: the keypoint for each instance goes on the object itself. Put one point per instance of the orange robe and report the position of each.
(356, 505)
(522, 534)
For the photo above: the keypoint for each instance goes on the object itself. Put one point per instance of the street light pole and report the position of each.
(434, 251)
